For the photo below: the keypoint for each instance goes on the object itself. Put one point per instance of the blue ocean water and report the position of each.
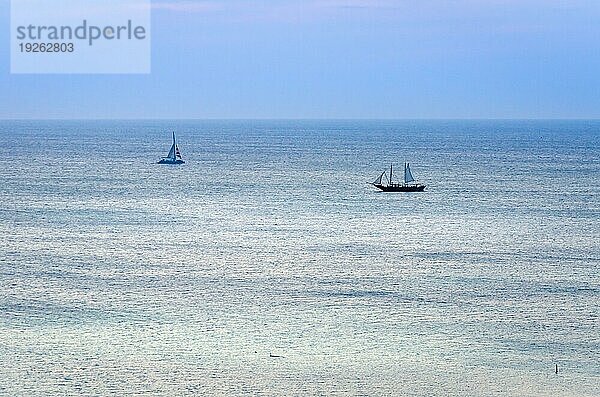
(122, 277)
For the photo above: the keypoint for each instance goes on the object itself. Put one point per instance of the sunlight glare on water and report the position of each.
(120, 276)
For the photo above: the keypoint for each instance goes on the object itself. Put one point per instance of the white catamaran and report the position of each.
(174, 156)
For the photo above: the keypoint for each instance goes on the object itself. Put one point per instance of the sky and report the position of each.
(370, 59)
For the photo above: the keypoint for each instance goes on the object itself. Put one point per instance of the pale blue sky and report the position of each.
(339, 59)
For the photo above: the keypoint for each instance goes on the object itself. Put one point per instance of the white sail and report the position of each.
(379, 180)
(407, 174)
(174, 153)
(171, 154)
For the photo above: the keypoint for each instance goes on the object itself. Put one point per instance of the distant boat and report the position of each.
(174, 156)
(409, 185)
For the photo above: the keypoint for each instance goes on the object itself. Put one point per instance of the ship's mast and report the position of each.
(174, 147)
(391, 170)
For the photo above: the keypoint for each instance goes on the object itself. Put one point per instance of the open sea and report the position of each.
(122, 277)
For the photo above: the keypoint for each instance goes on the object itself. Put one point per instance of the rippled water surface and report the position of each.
(122, 277)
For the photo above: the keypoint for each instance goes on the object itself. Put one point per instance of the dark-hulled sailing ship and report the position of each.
(409, 185)
(174, 156)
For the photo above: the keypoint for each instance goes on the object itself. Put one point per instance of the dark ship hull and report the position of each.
(171, 161)
(400, 188)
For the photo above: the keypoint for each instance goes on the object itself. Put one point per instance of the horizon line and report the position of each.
(310, 119)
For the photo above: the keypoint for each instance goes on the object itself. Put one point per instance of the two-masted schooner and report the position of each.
(409, 185)
(174, 156)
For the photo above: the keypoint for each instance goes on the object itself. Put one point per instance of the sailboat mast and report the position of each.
(174, 147)
(391, 171)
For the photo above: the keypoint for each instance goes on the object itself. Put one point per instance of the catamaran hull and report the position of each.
(169, 161)
(401, 188)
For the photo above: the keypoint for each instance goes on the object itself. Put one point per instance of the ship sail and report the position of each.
(171, 154)
(408, 177)
(174, 153)
(379, 180)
